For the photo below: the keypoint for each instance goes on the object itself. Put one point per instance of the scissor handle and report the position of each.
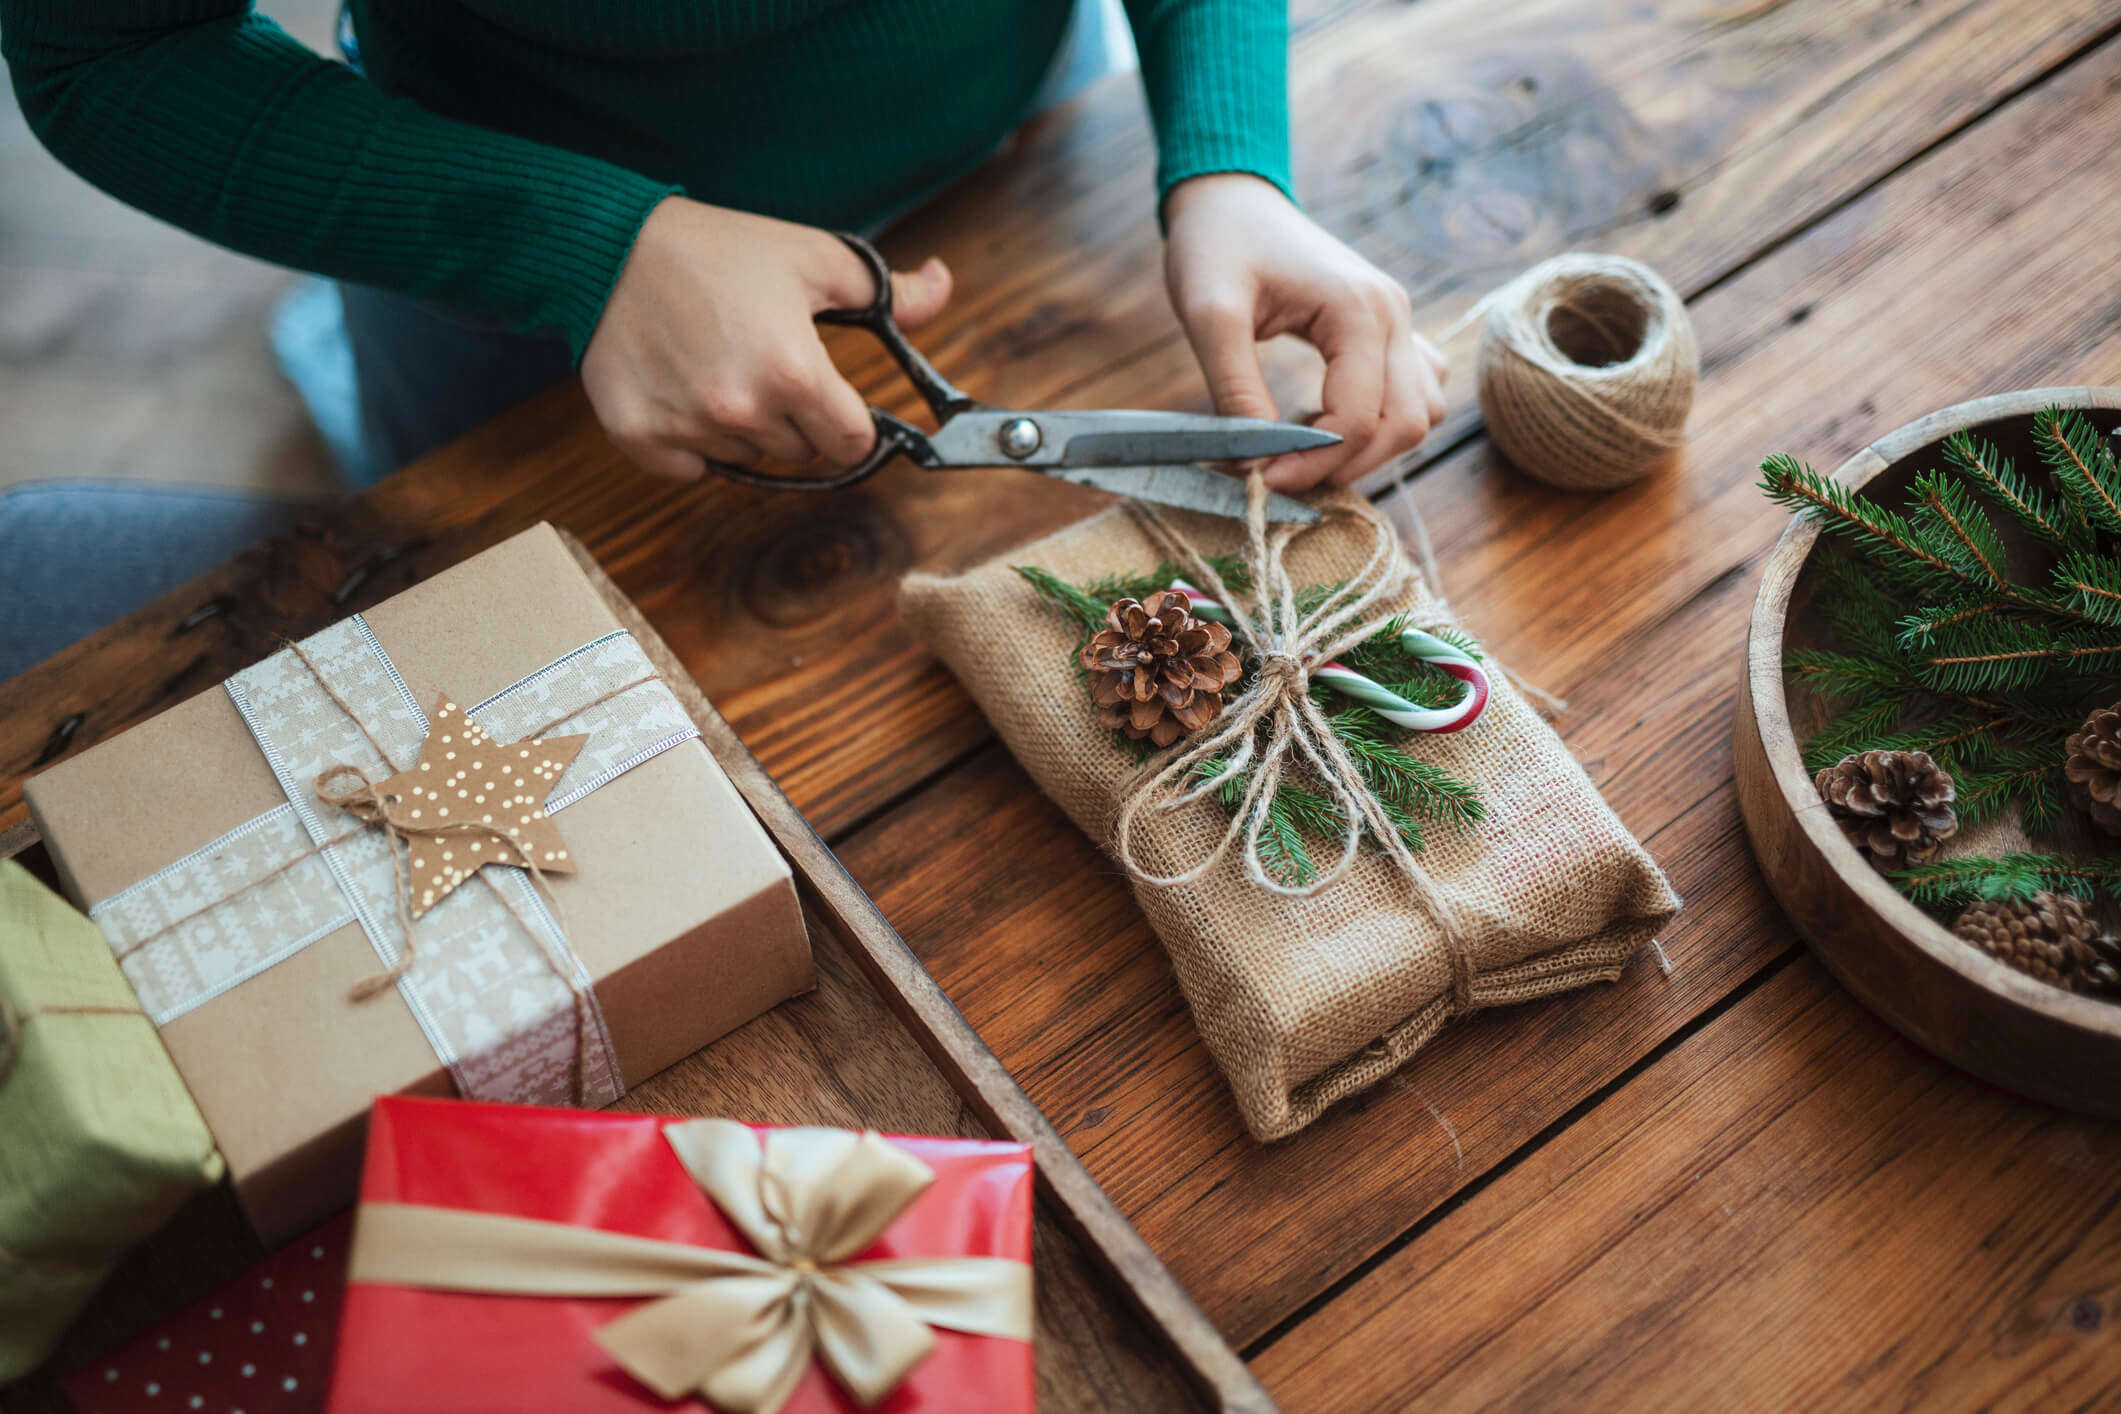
(893, 435)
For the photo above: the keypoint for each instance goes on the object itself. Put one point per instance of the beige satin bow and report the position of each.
(738, 1329)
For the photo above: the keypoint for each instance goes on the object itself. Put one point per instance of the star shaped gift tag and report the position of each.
(485, 802)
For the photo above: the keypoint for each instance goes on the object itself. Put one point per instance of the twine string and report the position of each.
(1277, 705)
(205, 908)
(1574, 424)
(14, 1021)
(365, 802)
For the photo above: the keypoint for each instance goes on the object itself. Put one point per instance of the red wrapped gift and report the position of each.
(510, 1258)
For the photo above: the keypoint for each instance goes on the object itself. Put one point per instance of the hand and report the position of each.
(706, 349)
(1243, 264)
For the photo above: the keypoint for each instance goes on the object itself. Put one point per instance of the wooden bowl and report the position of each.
(1944, 994)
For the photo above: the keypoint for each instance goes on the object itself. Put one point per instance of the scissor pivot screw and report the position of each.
(1020, 437)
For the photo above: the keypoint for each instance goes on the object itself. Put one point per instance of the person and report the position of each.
(508, 190)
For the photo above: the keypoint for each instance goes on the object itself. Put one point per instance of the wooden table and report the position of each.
(1728, 1186)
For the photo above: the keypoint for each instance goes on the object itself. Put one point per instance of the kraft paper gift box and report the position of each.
(501, 1253)
(98, 1140)
(247, 912)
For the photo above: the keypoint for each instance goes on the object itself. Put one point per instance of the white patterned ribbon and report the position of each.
(485, 995)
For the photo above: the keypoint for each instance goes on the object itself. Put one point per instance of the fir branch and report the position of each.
(2082, 464)
(2004, 485)
(2016, 878)
(1236, 577)
(1843, 676)
(1083, 608)
(1951, 545)
(1397, 777)
(1282, 852)
(1984, 672)
(2091, 585)
(1923, 626)
(1968, 537)
(1893, 542)
(2030, 779)
(1873, 727)
(2005, 655)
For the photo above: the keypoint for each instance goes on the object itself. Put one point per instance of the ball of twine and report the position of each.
(1586, 370)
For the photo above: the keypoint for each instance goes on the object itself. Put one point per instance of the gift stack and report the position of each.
(287, 871)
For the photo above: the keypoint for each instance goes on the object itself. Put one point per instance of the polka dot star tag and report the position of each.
(472, 801)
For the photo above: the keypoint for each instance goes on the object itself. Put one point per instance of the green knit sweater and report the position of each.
(500, 155)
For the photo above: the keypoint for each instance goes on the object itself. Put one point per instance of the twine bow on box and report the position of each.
(737, 1329)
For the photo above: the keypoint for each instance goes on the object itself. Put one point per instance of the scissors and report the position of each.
(1146, 455)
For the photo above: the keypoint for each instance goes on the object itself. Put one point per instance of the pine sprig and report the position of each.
(2082, 464)
(1942, 644)
(2044, 516)
(1412, 792)
(2015, 878)
(1077, 605)
(1088, 606)
(2091, 585)
(2029, 777)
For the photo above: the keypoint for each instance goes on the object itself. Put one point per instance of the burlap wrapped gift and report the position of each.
(1304, 1001)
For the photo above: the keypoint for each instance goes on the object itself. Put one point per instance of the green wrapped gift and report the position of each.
(99, 1139)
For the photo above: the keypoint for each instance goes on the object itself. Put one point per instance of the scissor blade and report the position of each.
(1217, 439)
(1110, 437)
(1189, 488)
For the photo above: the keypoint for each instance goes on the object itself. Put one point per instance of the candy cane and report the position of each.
(1389, 705)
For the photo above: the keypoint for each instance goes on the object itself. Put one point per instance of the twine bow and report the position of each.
(1285, 643)
(738, 1329)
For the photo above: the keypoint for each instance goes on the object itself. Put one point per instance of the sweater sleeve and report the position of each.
(213, 119)
(1217, 75)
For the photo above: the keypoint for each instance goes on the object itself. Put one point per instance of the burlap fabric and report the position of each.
(1304, 1001)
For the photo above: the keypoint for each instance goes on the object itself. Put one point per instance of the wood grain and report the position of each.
(781, 604)
(1594, 597)
(1857, 259)
(1795, 1203)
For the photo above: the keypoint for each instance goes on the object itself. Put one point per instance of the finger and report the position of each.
(1435, 359)
(781, 439)
(1221, 332)
(672, 463)
(838, 278)
(1351, 336)
(1439, 405)
(1403, 419)
(836, 422)
(917, 296)
(725, 448)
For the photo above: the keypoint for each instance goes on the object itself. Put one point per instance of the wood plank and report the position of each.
(781, 604)
(1795, 1203)
(1593, 596)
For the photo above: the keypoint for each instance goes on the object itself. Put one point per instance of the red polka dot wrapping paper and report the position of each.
(260, 1345)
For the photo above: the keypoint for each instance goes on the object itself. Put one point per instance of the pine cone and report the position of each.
(2050, 937)
(1891, 803)
(2094, 767)
(1155, 670)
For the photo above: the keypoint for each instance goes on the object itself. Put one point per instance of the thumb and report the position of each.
(1221, 335)
(917, 296)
